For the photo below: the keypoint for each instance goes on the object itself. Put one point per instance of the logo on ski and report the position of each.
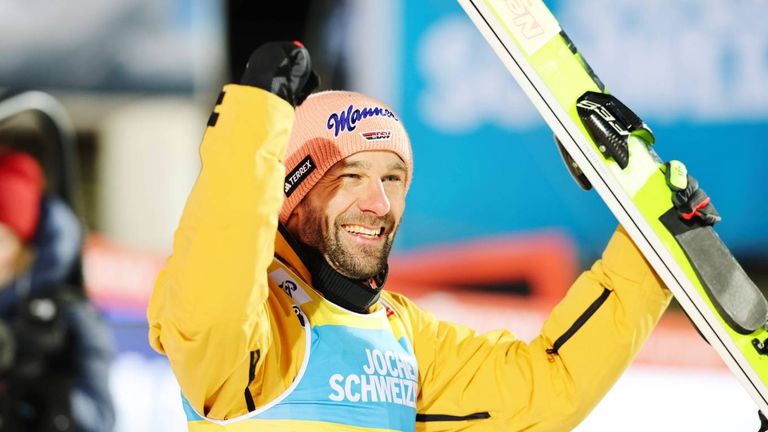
(524, 19)
(529, 22)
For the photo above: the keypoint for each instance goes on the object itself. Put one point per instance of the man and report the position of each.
(271, 308)
(55, 351)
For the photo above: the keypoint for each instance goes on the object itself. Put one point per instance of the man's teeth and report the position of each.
(356, 229)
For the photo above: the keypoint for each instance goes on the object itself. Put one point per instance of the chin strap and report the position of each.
(354, 295)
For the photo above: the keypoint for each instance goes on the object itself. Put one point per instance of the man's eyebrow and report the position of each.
(355, 164)
(394, 166)
(398, 166)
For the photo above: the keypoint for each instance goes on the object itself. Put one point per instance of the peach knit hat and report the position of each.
(330, 126)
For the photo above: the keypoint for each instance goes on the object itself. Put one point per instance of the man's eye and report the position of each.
(393, 178)
(350, 176)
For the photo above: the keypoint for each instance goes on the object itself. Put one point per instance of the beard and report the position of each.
(355, 261)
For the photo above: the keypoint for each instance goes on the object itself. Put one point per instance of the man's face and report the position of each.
(353, 212)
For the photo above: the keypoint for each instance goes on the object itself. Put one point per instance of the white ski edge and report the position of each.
(614, 196)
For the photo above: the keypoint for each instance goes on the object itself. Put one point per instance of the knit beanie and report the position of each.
(333, 125)
(21, 189)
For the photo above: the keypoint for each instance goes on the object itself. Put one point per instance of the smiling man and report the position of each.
(357, 206)
(356, 162)
(271, 309)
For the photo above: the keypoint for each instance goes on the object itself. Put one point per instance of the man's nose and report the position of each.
(374, 199)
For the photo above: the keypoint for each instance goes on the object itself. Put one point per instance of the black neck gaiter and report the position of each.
(354, 295)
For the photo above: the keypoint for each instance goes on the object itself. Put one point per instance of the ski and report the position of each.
(720, 299)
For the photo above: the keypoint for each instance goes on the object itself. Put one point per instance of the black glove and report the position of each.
(689, 200)
(283, 68)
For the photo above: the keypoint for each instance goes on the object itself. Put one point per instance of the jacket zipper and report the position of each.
(255, 356)
(447, 417)
(580, 321)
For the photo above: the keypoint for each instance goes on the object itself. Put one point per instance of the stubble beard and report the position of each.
(358, 262)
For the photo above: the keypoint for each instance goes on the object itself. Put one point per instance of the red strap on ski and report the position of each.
(695, 211)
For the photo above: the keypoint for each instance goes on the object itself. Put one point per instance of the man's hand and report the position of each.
(283, 68)
(689, 200)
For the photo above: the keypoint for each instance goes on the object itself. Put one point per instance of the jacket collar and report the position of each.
(288, 255)
(310, 265)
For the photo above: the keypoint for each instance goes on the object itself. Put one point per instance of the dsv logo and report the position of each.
(288, 286)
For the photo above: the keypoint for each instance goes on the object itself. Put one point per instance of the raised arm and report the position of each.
(207, 312)
(494, 381)
(207, 309)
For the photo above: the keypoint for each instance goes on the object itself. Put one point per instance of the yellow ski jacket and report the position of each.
(255, 348)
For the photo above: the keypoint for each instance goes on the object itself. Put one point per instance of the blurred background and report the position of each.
(137, 80)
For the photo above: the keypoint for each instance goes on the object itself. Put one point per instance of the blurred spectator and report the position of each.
(55, 350)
